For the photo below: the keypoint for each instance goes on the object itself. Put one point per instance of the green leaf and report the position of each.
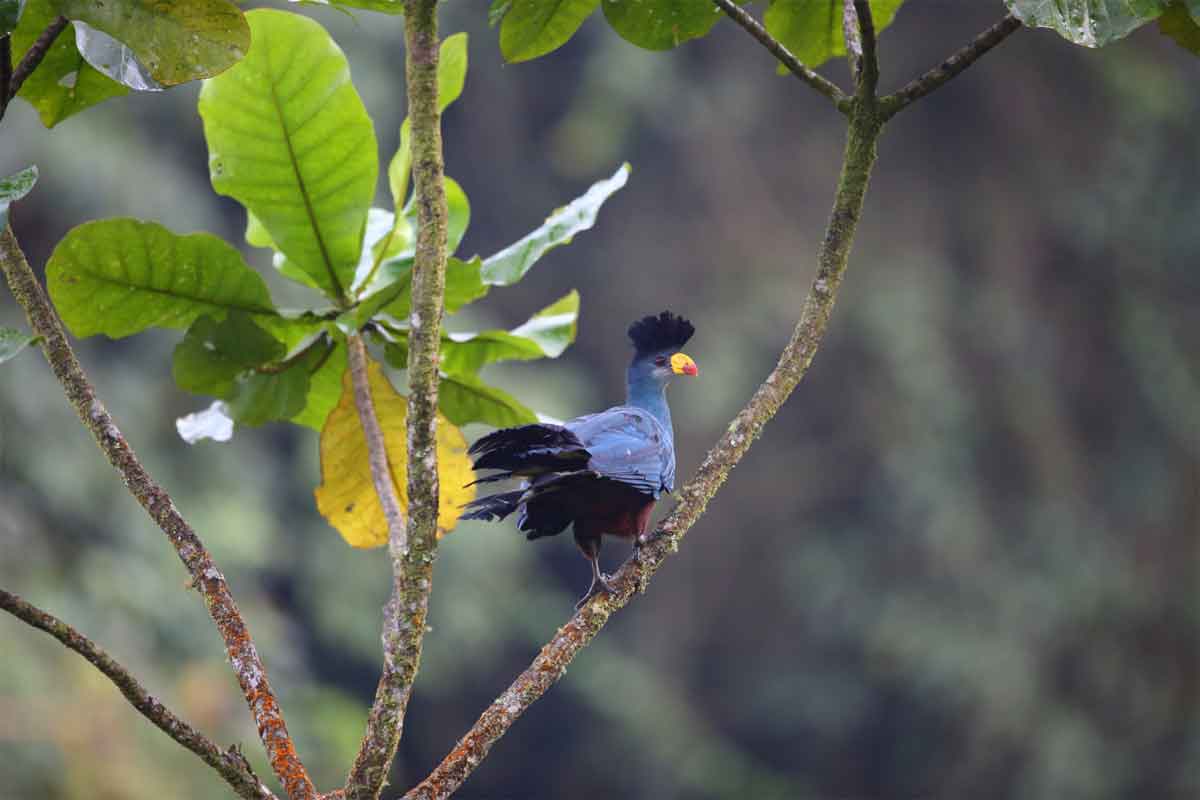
(532, 28)
(175, 40)
(1091, 23)
(465, 398)
(121, 276)
(452, 69)
(13, 188)
(812, 29)
(289, 139)
(113, 59)
(510, 264)
(464, 284)
(660, 24)
(270, 396)
(546, 335)
(63, 84)
(382, 6)
(452, 76)
(324, 389)
(1182, 25)
(212, 355)
(12, 342)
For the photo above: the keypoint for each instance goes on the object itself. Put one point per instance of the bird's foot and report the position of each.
(600, 585)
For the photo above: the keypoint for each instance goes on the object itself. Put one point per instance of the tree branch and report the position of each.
(951, 67)
(412, 565)
(231, 764)
(37, 51)
(251, 674)
(866, 123)
(6, 68)
(858, 29)
(785, 57)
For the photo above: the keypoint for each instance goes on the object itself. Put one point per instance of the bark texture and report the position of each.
(206, 578)
(413, 553)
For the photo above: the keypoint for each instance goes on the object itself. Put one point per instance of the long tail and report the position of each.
(494, 507)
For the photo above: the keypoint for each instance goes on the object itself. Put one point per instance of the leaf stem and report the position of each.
(785, 57)
(950, 68)
(865, 125)
(29, 62)
(405, 613)
(231, 764)
(251, 674)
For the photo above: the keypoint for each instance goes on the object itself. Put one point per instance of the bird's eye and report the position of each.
(660, 361)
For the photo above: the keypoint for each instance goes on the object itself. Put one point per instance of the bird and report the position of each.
(600, 473)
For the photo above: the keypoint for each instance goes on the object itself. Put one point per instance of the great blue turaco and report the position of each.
(601, 473)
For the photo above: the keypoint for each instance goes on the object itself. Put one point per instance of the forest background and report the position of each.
(962, 563)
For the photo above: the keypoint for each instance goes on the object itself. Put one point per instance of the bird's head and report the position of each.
(657, 341)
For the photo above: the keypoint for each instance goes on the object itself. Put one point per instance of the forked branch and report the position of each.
(785, 57)
(231, 764)
(552, 661)
(251, 674)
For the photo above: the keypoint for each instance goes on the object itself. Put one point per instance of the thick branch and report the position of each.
(231, 764)
(951, 67)
(6, 68)
(755, 29)
(239, 646)
(552, 661)
(412, 561)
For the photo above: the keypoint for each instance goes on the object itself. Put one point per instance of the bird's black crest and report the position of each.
(663, 332)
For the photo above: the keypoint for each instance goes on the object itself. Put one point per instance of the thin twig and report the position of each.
(239, 646)
(951, 67)
(231, 764)
(859, 27)
(550, 664)
(412, 561)
(381, 470)
(785, 57)
(37, 51)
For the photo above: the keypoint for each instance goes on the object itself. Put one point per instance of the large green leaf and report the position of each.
(12, 342)
(465, 398)
(282, 391)
(63, 84)
(660, 24)
(175, 40)
(1091, 23)
(464, 284)
(812, 29)
(289, 138)
(532, 28)
(324, 388)
(452, 76)
(510, 264)
(13, 188)
(213, 354)
(121, 276)
(545, 335)
(1182, 24)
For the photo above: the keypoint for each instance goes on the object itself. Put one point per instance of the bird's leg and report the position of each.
(600, 583)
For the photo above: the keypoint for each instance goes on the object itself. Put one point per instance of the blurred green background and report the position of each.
(962, 562)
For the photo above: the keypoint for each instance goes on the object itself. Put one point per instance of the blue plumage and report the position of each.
(601, 473)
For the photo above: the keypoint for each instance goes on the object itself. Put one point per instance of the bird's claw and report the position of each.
(646, 538)
(600, 585)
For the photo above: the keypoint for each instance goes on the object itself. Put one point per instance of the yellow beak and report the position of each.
(682, 364)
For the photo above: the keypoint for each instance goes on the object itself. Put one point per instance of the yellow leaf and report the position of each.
(346, 496)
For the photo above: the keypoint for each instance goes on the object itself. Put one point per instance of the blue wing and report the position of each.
(629, 445)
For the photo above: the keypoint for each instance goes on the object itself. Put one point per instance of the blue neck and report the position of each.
(645, 392)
